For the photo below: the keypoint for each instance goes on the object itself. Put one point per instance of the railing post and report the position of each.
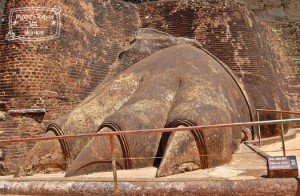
(282, 135)
(114, 165)
(259, 135)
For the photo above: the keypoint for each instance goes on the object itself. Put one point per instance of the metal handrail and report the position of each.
(146, 131)
(281, 112)
(278, 111)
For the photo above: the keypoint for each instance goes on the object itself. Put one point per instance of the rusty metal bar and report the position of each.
(282, 135)
(281, 112)
(278, 111)
(259, 134)
(146, 131)
(114, 165)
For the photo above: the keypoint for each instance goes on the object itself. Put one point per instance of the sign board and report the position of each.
(34, 24)
(282, 166)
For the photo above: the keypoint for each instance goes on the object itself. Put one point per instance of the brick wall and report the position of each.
(281, 24)
(232, 33)
(57, 74)
(284, 37)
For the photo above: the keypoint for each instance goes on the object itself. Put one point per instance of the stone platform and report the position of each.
(244, 175)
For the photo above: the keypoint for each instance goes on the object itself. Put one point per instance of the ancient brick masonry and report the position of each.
(287, 37)
(232, 33)
(281, 19)
(59, 73)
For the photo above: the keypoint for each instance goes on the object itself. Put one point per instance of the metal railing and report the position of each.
(112, 136)
(280, 112)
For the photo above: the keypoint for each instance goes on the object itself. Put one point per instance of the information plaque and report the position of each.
(34, 24)
(282, 167)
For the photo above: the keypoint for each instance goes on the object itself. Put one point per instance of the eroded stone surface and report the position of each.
(100, 29)
(177, 86)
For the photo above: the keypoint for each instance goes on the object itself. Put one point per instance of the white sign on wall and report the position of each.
(34, 24)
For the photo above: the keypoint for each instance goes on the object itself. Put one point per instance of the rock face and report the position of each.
(94, 47)
(177, 86)
(284, 10)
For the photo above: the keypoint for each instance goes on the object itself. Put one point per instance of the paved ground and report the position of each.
(246, 164)
(292, 148)
(244, 175)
